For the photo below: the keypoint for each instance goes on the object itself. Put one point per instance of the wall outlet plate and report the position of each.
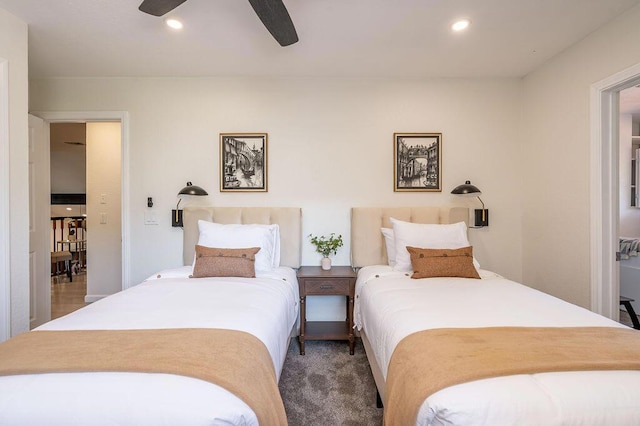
(150, 218)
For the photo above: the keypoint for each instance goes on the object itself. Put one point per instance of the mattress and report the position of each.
(265, 306)
(390, 305)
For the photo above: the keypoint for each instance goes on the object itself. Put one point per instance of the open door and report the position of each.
(39, 228)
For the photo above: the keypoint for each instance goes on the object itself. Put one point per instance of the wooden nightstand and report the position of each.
(314, 281)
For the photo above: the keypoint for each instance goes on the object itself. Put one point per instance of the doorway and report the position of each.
(114, 208)
(5, 232)
(604, 189)
(629, 219)
(68, 216)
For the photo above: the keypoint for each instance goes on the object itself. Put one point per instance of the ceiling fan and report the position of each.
(272, 13)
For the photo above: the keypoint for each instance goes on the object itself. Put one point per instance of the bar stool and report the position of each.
(62, 256)
(626, 302)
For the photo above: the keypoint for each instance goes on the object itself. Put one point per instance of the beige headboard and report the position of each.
(289, 220)
(367, 242)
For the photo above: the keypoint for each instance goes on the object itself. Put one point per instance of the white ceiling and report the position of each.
(368, 38)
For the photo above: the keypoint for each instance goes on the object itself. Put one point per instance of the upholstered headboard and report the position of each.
(367, 242)
(289, 219)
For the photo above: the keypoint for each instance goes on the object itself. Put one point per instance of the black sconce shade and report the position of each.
(466, 189)
(192, 189)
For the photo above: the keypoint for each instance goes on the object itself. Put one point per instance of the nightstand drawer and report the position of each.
(328, 286)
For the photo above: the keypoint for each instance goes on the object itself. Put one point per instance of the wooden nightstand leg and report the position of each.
(350, 325)
(303, 320)
(378, 399)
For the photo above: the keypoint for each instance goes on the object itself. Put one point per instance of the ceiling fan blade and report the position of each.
(159, 7)
(275, 17)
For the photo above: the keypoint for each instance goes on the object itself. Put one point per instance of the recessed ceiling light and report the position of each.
(173, 23)
(460, 25)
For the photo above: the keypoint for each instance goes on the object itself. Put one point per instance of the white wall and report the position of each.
(629, 216)
(68, 172)
(13, 50)
(555, 157)
(68, 162)
(104, 219)
(330, 148)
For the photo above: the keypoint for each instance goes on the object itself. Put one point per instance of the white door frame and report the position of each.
(123, 117)
(5, 225)
(604, 186)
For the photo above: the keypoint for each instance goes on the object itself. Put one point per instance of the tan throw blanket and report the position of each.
(234, 360)
(446, 357)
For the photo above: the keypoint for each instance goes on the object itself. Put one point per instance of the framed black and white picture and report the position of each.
(417, 159)
(243, 162)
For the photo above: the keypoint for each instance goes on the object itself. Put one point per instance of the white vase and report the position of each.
(326, 263)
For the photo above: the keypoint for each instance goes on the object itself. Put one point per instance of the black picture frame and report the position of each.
(243, 162)
(417, 162)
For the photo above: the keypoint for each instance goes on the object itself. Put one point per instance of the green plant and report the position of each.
(327, 246)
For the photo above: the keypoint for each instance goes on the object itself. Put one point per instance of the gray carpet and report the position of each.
(328, 387)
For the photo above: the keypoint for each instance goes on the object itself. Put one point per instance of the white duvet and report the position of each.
(390, 305)
(265, 306)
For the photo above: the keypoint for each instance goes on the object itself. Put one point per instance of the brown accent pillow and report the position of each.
(429, 263)
(225, 262)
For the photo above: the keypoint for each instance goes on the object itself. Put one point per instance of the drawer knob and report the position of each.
(326, 287)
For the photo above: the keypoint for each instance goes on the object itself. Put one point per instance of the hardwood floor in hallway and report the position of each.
(66, 296)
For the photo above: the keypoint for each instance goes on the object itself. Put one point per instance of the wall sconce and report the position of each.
(481, 216)
(190, 189)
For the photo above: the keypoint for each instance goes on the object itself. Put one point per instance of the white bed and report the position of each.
(390, 305)
(265, 306)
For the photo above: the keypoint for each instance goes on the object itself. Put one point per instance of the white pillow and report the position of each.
(390, 244)
(267, 237)
(434, 236)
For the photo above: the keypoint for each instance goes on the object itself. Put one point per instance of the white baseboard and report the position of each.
(90, 298)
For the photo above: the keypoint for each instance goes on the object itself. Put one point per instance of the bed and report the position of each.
(184, 341)
(393, 312)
